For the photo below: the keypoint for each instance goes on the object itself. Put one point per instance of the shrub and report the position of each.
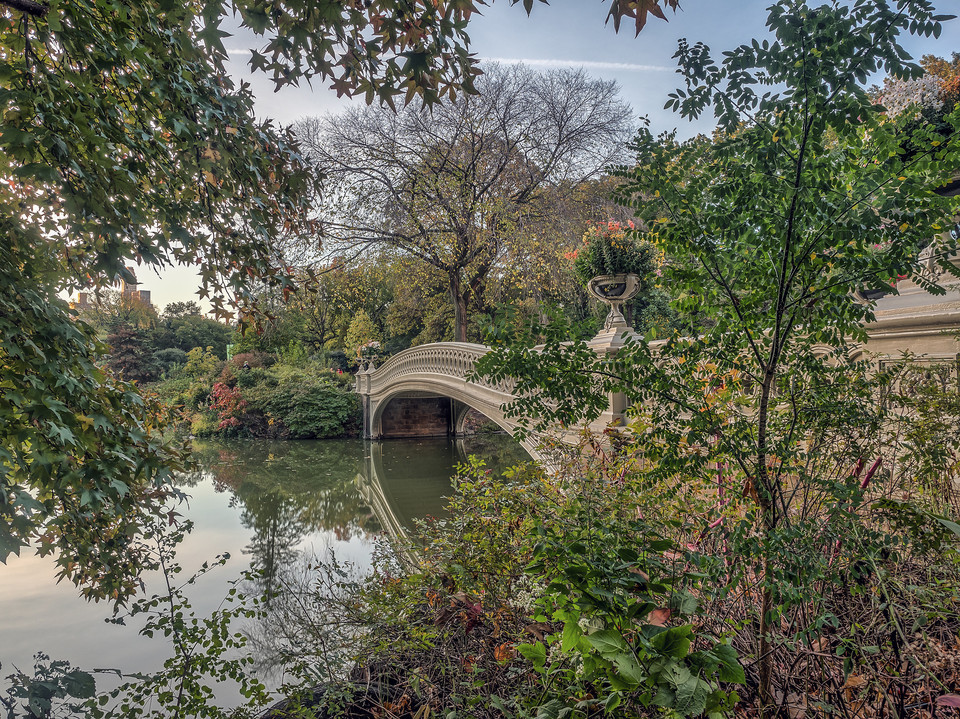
(281, 401)
(315, 409)
(201, 362)
(169, 358)
(229, 405)
(537, 596)
(253, 359)
(337, 359)
(198, 395)
(251, 377)
(173, 392)
(203, 424)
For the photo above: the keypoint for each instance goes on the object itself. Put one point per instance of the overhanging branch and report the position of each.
(28, 6)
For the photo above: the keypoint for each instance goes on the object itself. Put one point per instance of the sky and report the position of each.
(565, 33)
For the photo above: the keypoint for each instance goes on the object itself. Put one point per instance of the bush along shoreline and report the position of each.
(257, 395)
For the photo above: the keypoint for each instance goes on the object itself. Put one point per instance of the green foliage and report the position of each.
(360, 333)
(204, 424)
(180, 391)
(83, 459)
(130, 356)
(201, 363)
(311, 408)
(264, 399)
(170, 358)
(625, 595)
(108, 310)
(483, 544)
(205, 654)
(294, 354)
(396, 49)
(479, 627)
(804, 196)
(185, 333)
(611, 249)
(54, 685)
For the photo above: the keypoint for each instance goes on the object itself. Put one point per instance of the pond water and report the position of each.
(270, 505)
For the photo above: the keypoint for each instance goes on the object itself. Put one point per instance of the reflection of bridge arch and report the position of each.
(384, 480)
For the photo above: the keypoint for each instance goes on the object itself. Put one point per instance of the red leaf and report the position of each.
(949, 700)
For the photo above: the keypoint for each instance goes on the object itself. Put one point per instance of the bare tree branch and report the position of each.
(451, 184)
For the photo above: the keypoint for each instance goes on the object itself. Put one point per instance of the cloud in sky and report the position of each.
(586, 64)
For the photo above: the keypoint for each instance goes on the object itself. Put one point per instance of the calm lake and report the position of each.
(271, 505)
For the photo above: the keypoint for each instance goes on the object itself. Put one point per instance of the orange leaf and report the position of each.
(659, 617)
(854, 681)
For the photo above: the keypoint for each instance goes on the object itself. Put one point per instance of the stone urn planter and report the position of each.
(614, 290)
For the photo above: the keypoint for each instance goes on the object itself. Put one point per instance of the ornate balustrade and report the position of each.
(451, 360)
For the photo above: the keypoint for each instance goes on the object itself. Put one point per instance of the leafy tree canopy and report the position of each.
(806, 194)
(179, 310)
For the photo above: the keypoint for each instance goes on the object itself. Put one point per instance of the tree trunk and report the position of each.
(767, 499)
(459, 308)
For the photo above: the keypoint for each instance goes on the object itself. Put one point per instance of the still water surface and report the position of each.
(269, 505)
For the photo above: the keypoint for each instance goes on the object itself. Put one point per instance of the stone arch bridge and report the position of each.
(426, 391)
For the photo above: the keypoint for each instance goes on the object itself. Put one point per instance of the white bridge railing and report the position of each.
(452, 360)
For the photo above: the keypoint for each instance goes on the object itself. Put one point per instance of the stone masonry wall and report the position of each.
(416, 417)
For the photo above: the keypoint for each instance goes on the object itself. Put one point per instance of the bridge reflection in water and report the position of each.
(406, 481)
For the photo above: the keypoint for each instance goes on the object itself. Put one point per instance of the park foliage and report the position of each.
(808, 192)
(773, 527)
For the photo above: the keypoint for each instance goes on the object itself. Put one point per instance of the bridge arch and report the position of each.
(446, 369)
(441, 370)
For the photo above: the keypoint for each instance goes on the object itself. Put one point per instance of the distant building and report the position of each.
(128, 290)
(83, 302)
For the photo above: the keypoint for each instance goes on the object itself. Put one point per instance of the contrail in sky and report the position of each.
(588, 64)
(538, 62)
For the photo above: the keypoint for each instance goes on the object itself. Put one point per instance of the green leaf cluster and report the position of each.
(627, 598)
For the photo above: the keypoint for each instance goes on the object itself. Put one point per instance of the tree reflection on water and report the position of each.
(288, 492)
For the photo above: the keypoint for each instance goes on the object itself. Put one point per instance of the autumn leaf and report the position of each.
(638, 9)
(854, 681)
(659, 617)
